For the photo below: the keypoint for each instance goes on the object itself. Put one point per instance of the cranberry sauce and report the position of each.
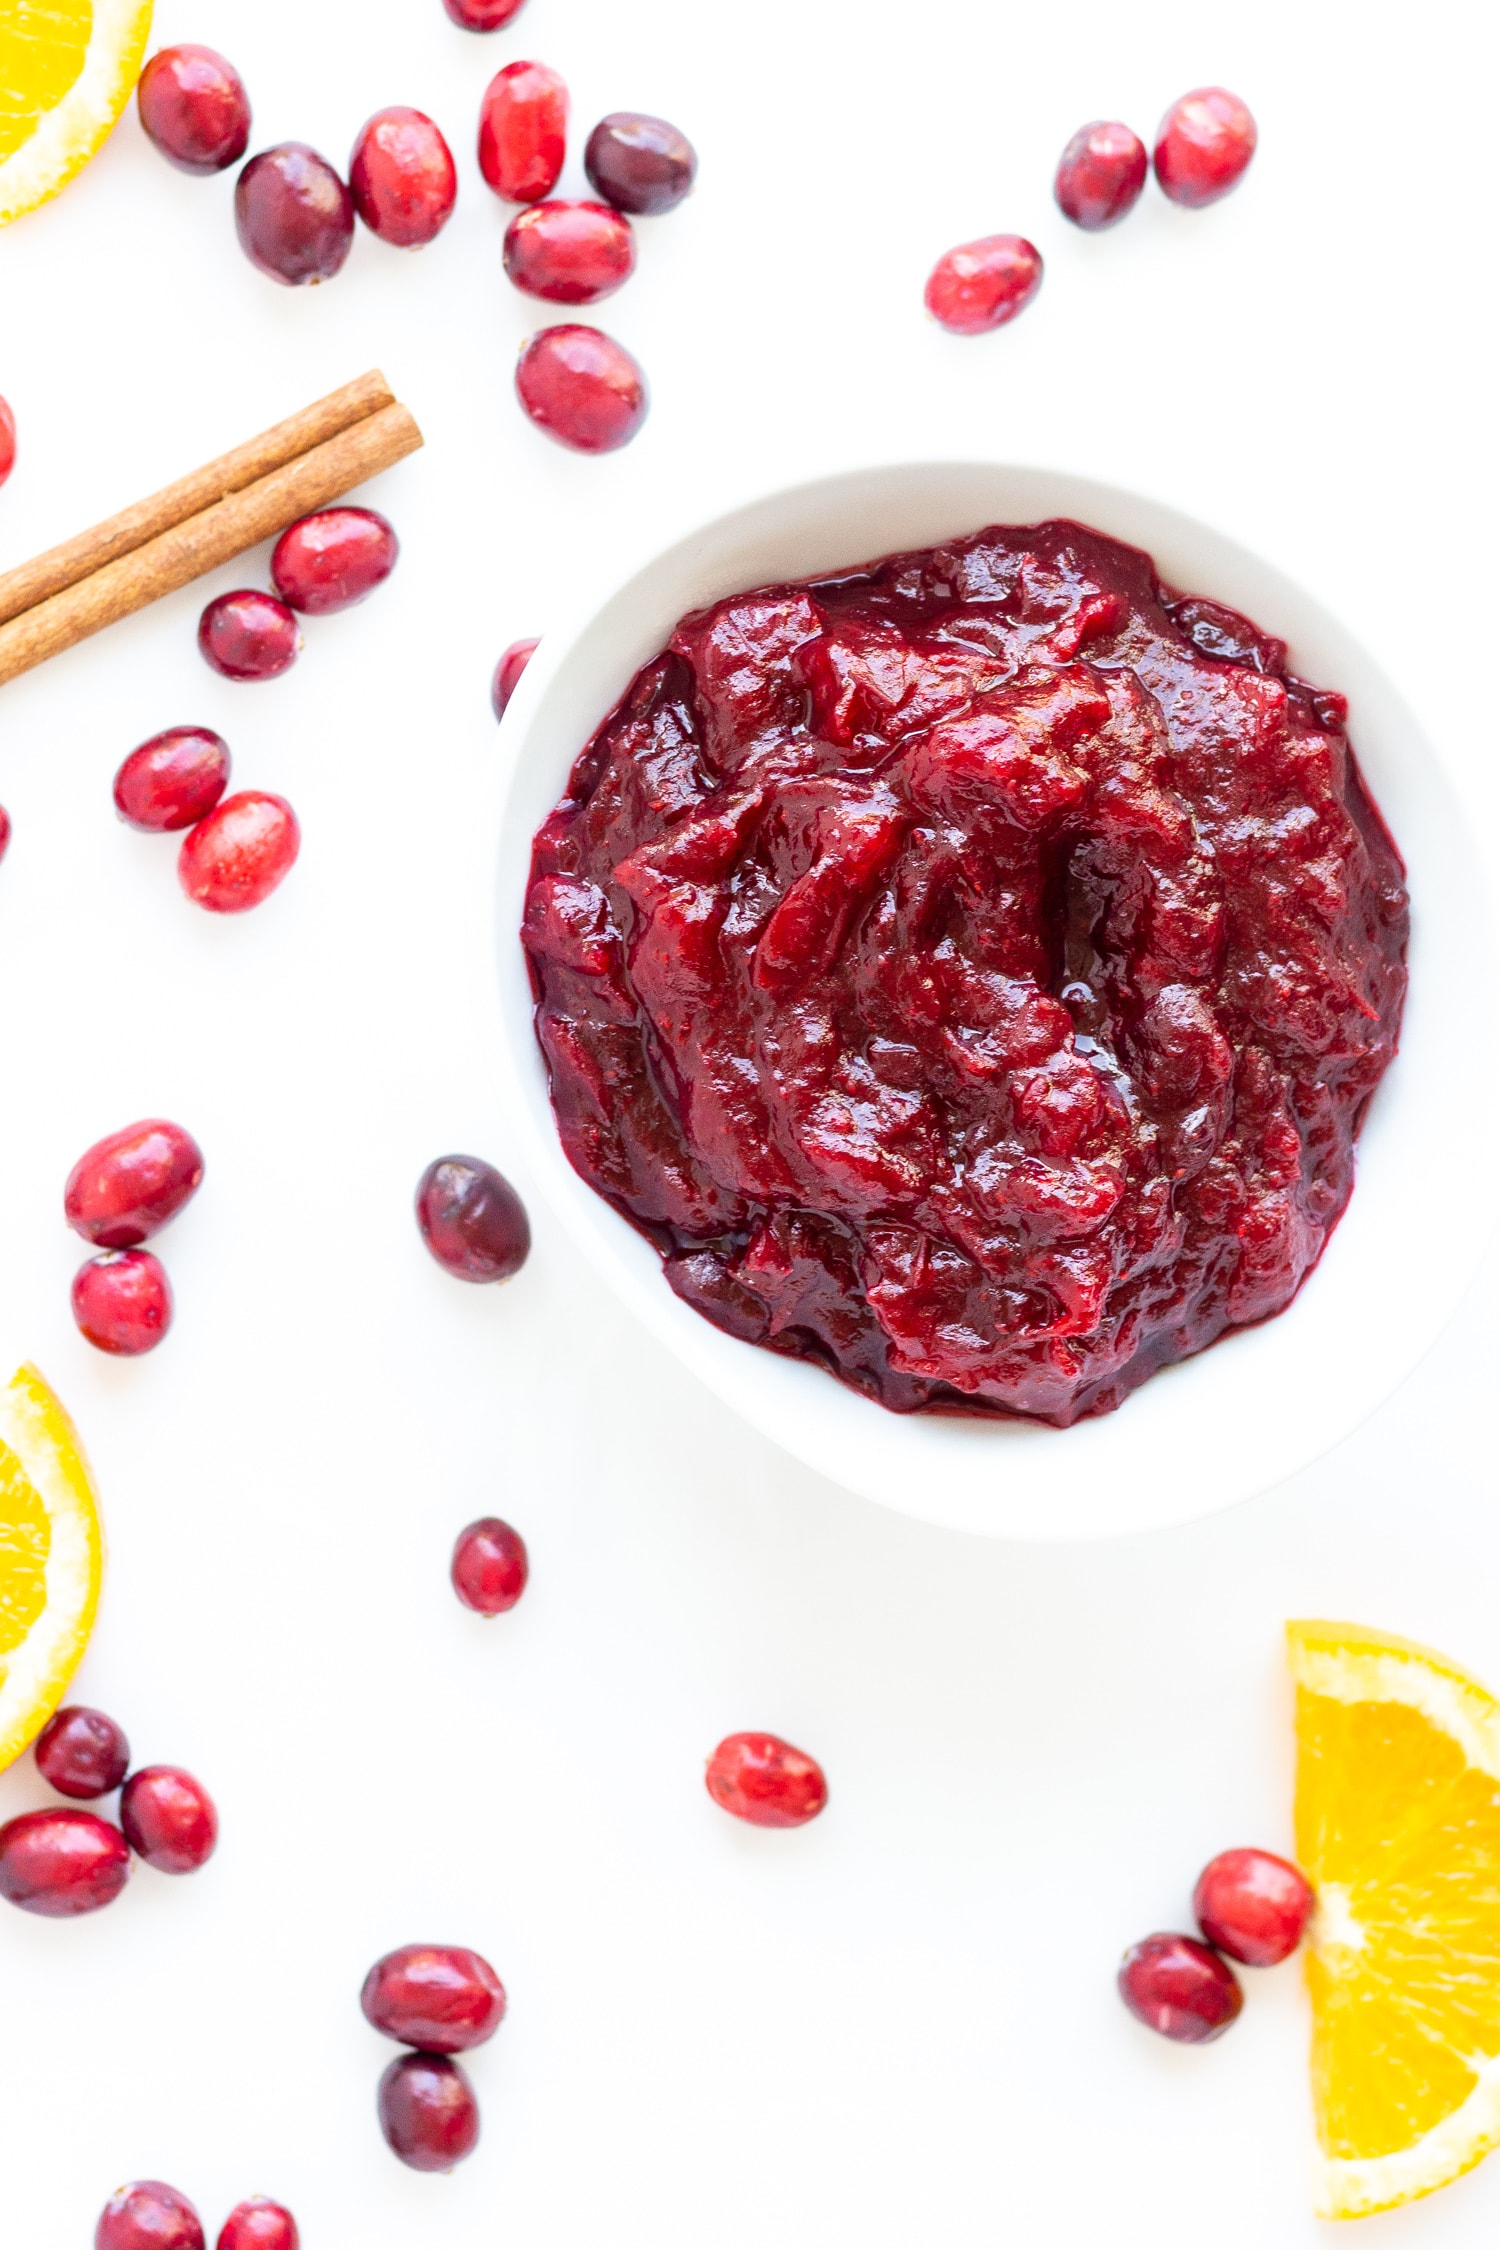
(971, 971)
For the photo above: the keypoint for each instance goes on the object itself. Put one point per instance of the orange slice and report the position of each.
(67, 68)
(51, 1558)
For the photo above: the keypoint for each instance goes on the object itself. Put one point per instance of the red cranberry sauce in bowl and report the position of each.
(971, 971)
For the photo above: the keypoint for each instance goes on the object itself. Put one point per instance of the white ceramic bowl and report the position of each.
(1257, 1406)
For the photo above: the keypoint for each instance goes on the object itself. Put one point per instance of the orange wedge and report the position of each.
(51, 1558)
(67, 68)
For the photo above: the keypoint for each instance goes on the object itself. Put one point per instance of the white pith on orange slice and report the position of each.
(51, 1558)
(67, 68)
(1398, 1830)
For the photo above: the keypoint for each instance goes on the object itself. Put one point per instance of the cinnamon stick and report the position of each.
(214, 535)
(244, 465)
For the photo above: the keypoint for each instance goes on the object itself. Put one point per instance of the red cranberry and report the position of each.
(581, 387)
(172, 780)
(1253, 1906)
(333, 559)
(762, 1779)
(483, 15)
(472, 1219)
(981, 285)
(122, 1302)
(523, 124)
(4, 831)
(59, 1863)
(82, 1753)
(1102, 172)
(127, 1186)
(1203, 145)
(428, 2113)
(402, 178)
(148, 2215)
(237, 857)
(571, 253)
(194, 106)
(248, 635)
(259, 2224)
(489, 1572)
(169, 1819)
(1178, 1987)
(294, 215)
(440, 1997)
(508, 673)
(640, 164)
(7, 440)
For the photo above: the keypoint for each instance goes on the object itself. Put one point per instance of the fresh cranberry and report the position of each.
(489, 1570)
(82, 1753)
(428, 2113)
(762, 1779)
(981, 285)
(59, 1863)
(440, 1997)
(483, 15)
(259, 2224)
(172, 780)
(1100, 175)
(571, 253)
(237, 857)
(402, 177)
(581, 387)
(333, 559)
(4, 832)
(640, 164)
(1180, 1988)
(127, 1186)
(1203, 146)
(148, 2215)
(248, 635)
(472, 1219)
(508, 673)
(1253, 1906)
(169, 1819)
(122, 1302)
(194, 106)
(7, 440)
(523, 124)
(294, 215)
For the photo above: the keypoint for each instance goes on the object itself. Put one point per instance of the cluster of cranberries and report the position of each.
(325, 562)
(149, 2215)
(237, 849)
(121, 1192)
(1203, 146)
(1252, 1908)
(437, 2001)
(60, 1862)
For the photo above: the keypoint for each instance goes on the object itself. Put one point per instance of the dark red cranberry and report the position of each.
(127, 1186)
(483, 15)
(428, 2113)
(1253, 1906)
(148, 2215)
(4, 824)
(60, 1863)
(402, 177)
(472, 1219)
(489, 1571)
(570, 253)
(1203, 146)
(294, 215)
(581, 387)
(640, 164)
(172, 780)
(194, 106)
(523, 125)
(508, 673)
(248, 635)
(983, 284)
(440, 1997)
(7, 440)
(169, 1819)
(82, 1753)
(259, 2224)
(333, 559)
(1102, 172)
(1180, 1988)
(122, 1302)
(237, 857)
(762, 1779)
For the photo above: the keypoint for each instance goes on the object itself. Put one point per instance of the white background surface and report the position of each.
(899, 2026)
